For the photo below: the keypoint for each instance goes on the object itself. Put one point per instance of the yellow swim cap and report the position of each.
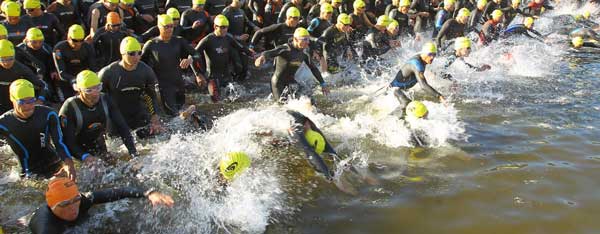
(86, 79)
(7, 49)
(174, 13)
(404, 3)
(577, 42)
(497, 14)
(383, 20)
(393, 25)
(76, 32)
(449, 2)
(3, 31)
(301, 32)
(429, 48)
(12, 9)
(34, 34)
(416, 109)
(21, 89)
(528, 22)
(464, 12)
(129, 44)
(359, 4)
(344, 19)
(516, 2)
(128, 2)
(315, 140)
(586, 14)
(461, 43)
(198, 2)
(481, 3)
(164, 20)
(336, 1)
(221, 20)
(31, 4)
(292, 12)
(326, 7)
(233, 164)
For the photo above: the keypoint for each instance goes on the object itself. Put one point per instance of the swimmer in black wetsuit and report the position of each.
(413, 71)
(289, 57)
(462, 48)
(71, 57)
(66, 206)
(526, 29)
(132, 85)
(336, 41)
(163, 55)
(278, 34)
(218, 47)
(28, 129)
(86, 117)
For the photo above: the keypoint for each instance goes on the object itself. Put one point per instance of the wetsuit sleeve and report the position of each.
(57, 136)
(147, 56)
(114, 194)
(237, 45)
(188, 50)
(263, 31)
(297, 135)
(421, 79)
(201, 64)
(119, 122)
(151, 32)
(443, 30)
(61, 67)
(60, 31)
(150, 92)
(68, 123)
(44, 222)
(313, 25)
(25, 57)
(275, 52)
(282, 14)
(315, 71)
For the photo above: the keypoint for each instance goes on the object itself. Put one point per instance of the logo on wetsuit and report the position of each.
(43, 140)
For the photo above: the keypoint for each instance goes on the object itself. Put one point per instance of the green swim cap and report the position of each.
(315, 140)
(174, 13)
(221, 20)
(234, 163)
(577, 42)
(7, 49)
(129, 44)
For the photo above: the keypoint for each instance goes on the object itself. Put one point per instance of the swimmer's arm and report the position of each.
(421, 79)
(115, 194)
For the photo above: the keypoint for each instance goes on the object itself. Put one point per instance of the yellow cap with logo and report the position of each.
(21, 89)
(292, 12)
(383, 20)
(344, 19)
(326, 7)
(462, 43)
(34, 34)
(416, 109)
(12, 9)
(359, 4)
(86, 79)
(497, 14)
(233, 164)
(315, 140)
(301, 32)
(429, 48)
(464, 12)
(76, 32)
(404, 3)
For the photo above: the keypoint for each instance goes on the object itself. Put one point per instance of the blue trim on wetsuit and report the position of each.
(513, 27)
(310, 27)
(26, 156)
(60, 136)
(439, 19)
(420, 67)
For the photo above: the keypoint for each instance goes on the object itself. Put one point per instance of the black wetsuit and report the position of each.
(335, 43)
(440, 18)
(491, 6)
(17, 71)
(194, 35)
(107, 45)
(418, 6)
(66, 15)
(408, 76)
(101, 17)
(215, 7)
(238, 24)
(164, 58)
(584, 33)
(450, 30)
(510, 13)
(276, 34)
(30, 140)
(520, 29)
(297, 134)
(217, 53)
(51, 28)
(83, 7)
(376, 43)
(271, 12)
(130, 18)
(181, 5)
(359, 26)
(403, 22)
(287, 61)
(453, 58)
(317, 26)
(489, 31)
(476, 19)
(283, 13)
(536, 9)
(44, 221)
(42, 62)
(134, 93)
(146, 7)
(17, 32)
(70, 62)
(84, 127)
